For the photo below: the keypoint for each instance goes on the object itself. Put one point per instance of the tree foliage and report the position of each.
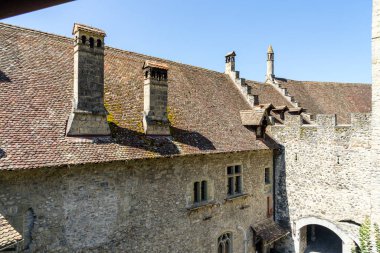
(367, 235)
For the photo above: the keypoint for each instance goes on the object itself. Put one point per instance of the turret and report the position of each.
(270, 64)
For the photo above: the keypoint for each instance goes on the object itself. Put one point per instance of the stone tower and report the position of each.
(89, 116)
(375, 185)
(270, 64)
(155, 119)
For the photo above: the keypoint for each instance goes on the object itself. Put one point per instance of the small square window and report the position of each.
(230, 170)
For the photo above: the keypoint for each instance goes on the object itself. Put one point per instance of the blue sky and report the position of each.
(320, 40)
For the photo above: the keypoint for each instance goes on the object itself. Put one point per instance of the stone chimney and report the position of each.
(89, 116)
(155, 119)
(230, 63)
(270, 64)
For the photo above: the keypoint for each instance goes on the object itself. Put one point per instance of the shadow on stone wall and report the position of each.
(162, 145)
(279, 175)
(4, 77)
(3, 154)
(281, 199)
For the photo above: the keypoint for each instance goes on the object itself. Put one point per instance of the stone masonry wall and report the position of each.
(134, 206)
(323, 170)
(376, 111)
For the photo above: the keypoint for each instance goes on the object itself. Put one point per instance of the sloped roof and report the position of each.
(8, 235)
(330, 98)
(268, 94)
(36, 87)
(252, 117)
(269, 231)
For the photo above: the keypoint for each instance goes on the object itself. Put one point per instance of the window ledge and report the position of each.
(237, 196)
(201, 205)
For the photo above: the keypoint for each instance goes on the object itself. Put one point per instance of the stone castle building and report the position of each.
(105, 150)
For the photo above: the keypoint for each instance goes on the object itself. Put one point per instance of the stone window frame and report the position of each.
(206, 201)
(233, 177)
(224, 239)
(267, 176)
(200, 192)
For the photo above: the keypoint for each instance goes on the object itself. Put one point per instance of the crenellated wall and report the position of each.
(323, 170)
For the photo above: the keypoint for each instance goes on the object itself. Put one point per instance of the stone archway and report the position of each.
(300, 233)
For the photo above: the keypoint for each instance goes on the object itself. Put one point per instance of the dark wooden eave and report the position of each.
(10, 8)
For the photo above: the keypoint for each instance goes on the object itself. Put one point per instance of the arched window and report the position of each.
(98, 43)
(225, 243)
(92, 42)
(84, 39)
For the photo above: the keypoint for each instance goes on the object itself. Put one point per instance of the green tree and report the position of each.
(365, 236)
(377, 237)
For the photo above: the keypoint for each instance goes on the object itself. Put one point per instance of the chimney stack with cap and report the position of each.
(230, 62)
(89, 116)
(155, 120)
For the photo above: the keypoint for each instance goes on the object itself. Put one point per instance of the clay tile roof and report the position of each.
(252, 117)
(268, 94)
(88, 29)
(269, 231)
(154, 64)
(330, 98)
(36, 84)
(8, 235)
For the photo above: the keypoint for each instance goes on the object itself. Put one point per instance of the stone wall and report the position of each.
(376, 110)
(323, 170)
(135, 206)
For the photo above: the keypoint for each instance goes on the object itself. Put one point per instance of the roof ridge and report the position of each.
(324, 82)
(108, 47)
(161, 59)
(33, 30)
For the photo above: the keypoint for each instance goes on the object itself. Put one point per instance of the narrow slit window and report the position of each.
(269, 208)
(196, 192)
(267, 176)
(204, 191)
